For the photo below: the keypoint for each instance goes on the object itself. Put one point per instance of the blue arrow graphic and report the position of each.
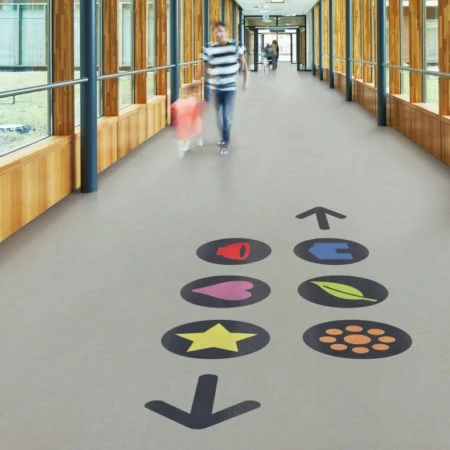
(329, 251)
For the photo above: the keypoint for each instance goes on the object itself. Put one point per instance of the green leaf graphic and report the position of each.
(344, 291)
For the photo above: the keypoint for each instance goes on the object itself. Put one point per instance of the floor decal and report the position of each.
(227, 291)
(233, 251)
(343, 291)
(321, 215)
(215, 339)
(201, 415)
(357, 339)
(331, 251)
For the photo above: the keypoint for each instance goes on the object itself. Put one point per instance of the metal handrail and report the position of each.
(41, 87)
(134, 72)
(190, 63)
(422, 71)
(58, 84)
(406, 68)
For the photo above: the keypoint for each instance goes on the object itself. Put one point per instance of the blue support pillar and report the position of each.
(348, 51)
(381, 61)
(88, 97)
(331, 42)
(241, 26)
(222, 13)
(320, 40)
(313, 44)
(206, 39)
(174, 51)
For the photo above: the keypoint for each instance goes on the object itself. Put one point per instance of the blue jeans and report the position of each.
(224, 101)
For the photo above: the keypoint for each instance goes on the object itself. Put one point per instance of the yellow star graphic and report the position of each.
(215, 337)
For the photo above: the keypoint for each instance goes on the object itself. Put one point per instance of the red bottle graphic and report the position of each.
(238, 251)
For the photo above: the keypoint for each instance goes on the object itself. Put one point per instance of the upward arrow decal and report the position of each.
(321, 214)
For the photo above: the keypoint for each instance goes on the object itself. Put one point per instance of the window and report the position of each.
(24, 59)
(126, 52)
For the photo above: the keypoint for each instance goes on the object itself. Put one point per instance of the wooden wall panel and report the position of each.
(339, 34)
(444, 56)
(367, 40)
(339, 81)
(110, 57)
(370, 98)
(63, 98)
(357, 50)
(131, 129)
(316, 37)
(156, 115)
(358, 92)
(198, 38)
(415, 50)
(32, 180)
(401, 115)
(140, 50)
(445, 140)
(106, 147)
(325, 33)
(394, 46)
(161, 46)
(188, 40)
(215, 14)
(229, 16)
(425, 130)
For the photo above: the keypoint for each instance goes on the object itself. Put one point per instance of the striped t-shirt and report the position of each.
(223, 65)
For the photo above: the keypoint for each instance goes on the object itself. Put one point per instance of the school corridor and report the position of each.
(204, 303)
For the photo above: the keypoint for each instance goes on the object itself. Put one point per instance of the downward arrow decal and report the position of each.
(201, 415)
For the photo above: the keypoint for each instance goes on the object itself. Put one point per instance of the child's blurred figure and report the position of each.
(187, 120)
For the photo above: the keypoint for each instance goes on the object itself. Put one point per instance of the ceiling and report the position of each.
(276, 7)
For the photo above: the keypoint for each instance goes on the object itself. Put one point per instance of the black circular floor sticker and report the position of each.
(343, 291)
(357, 339)
(228, 291)
(233, 251)
(215, 339)
(331, 251)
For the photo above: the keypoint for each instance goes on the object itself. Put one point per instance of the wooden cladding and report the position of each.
(415, 50)
(444, 56)
(357, 50)
(110, 57)
(63, 98)
(318, 50)
(325, 33)
(188, 39)
(339, 35)
(140, 50)
(198, 37)
(215, 15)
(229, 16)
(161, 46)
(394, 46)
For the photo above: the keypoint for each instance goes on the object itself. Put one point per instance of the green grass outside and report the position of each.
(33, 109)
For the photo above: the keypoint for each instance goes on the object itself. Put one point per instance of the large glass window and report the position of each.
(126, 51)
(151, 46)
(77, 55)
(24, 56)
(404, 49)
(431, 50)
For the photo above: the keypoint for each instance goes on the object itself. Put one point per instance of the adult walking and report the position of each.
(222, 59)
(276, 52)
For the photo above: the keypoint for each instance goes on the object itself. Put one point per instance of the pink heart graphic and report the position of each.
(228, 290)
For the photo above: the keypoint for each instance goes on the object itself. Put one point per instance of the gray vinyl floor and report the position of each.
(89, 290)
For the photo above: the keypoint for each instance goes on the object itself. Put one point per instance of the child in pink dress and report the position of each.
(187, 120)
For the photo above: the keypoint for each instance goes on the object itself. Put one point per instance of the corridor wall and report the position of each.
(418, 64)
